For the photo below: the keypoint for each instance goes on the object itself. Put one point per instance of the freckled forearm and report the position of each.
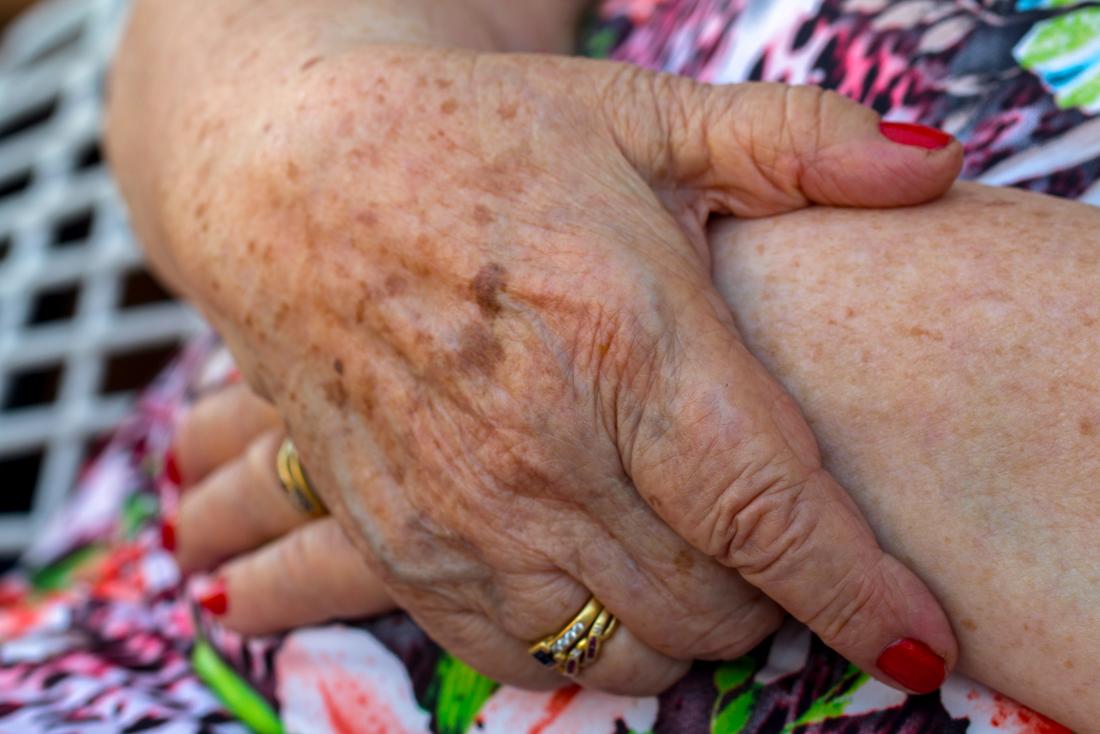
(946, 358)
(185, 65)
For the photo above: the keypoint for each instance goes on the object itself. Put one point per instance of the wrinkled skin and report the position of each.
(958, 337)
(477, 289)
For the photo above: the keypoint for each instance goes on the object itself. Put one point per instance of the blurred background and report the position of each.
(82, 324)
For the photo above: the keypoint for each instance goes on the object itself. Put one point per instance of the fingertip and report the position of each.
(214, 598)
(913, 665)
(168, 535)
(918, 649)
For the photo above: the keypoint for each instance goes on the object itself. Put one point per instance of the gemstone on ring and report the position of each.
(577, 645)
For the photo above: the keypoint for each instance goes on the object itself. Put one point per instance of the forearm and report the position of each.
(946, 357)
(189, 78)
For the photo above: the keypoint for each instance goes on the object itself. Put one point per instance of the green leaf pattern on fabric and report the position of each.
(59, 575)
(234, 691)
(737, 694)
(833, 703)
(1064, 51)
(457, 693)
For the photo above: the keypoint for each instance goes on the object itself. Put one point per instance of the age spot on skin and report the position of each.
(449, 106)
(479, 351)
(487, 286)
(395, 285)
(969, 624)
(335, 393)
(507, 110)
(1087, 427)
(920, 332)
(338, 366)
(482, 215)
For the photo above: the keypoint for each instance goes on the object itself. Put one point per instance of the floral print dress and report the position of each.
(97, 633)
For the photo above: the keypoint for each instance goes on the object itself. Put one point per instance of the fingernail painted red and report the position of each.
(215, 599)
(168, 535)
(920, 136)
(171, 468)
(913, 664)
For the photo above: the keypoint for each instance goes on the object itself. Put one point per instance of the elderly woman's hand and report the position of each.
(477, 288)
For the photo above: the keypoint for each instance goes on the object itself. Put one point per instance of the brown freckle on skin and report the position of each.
(921, 332)
(449, 106)
(310, 63)
(487, 286)
(684, 561)
(1087, 427)
(849, 312)
(443, 83)
(251, 247)
(759, 249)
(367, 218)
(335, 393)
(398, 474)
(395, 285)
(507, 110)
(366, 404)
(360, 310)
(482, 215)
(338, 366)
(292, 171)
(368, 153)
(969, 624)
(479, 351)
(1069, 665)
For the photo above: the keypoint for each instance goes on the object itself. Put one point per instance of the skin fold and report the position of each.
(947, 357)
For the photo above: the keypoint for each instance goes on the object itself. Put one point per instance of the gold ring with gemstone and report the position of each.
(576, 645)
(292, 477)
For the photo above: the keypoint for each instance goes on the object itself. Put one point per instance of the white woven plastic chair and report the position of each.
(81, 323)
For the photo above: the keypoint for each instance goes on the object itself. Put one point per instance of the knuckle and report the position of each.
(767, 534)
(841, 621)
(618, 341)
(732, 634)
(302, 558)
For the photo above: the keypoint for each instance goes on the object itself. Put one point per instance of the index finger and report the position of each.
(725, 457)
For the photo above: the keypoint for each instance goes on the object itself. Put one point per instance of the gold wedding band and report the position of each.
(576, 645)
(292, 477)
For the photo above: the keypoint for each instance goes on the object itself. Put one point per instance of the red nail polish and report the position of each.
(214, 599)
(168, 535)
(913, 664)
(920, 136)
(172, 469)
